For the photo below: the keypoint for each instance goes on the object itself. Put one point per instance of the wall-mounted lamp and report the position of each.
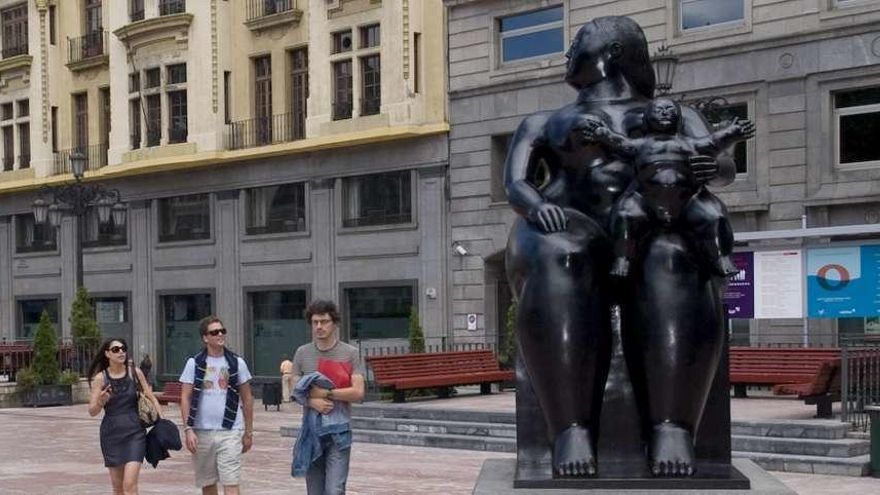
(459, 249)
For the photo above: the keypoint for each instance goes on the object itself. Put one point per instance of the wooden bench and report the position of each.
(170, 393)
(775, 365)
(823, 388)
(403, 372)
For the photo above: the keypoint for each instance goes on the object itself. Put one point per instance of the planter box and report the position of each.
(48, 395)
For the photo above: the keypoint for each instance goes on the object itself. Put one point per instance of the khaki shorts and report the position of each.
(218, 457)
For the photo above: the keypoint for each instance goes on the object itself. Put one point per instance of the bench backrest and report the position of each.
(398, 366)
(172, 388)
(775, 365)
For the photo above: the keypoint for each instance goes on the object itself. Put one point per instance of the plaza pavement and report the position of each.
(55, 451)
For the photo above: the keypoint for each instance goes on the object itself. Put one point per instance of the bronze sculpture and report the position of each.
(560, 255)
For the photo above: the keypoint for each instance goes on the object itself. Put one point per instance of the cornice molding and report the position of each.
(154, 30)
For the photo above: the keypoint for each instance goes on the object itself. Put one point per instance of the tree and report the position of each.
(46, 352)
(416, 337)
(85, 330)
(507, 352)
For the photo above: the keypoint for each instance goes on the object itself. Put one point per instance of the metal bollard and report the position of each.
(874, 413)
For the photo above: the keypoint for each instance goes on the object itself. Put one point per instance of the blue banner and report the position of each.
(843, 282)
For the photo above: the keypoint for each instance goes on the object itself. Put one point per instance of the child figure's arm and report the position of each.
(738, 130)
(595, 131)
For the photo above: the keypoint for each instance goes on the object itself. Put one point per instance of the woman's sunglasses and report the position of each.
(216, 332)
(117, 349)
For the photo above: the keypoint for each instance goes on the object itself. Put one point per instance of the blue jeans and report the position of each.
(328, 474)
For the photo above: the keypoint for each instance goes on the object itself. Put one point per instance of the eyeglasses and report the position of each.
(216, 332)
(117, 349)
(324, 321)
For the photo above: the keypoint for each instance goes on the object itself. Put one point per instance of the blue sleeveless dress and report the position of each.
(123, 440)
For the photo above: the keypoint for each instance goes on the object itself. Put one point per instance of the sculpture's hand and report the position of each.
(548, 217)
(589, 129)
(743, 128)
(704, 168)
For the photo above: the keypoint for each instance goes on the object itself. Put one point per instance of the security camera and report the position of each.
(459, 249)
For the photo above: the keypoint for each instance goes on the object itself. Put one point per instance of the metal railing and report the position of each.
(262, 8)
(262, 131)
(91, 45)
(859, 382)
(96, 157)
(13, 50)
(19, 355)
(370, 106)
(169, 7)
(342, 110)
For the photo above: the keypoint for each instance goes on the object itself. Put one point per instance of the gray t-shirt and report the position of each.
(338, 364)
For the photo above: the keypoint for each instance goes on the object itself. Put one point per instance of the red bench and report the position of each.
(170, 393)
(776, 365)
(822, 389)
(403, 372)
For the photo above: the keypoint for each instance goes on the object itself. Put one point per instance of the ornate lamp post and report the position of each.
(714, 108)
(76, 199)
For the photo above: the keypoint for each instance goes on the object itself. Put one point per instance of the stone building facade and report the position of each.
(269, 152)
(807, 71)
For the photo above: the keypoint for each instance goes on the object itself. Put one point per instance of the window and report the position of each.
(112, 316)
(342, 91)
(417, 72)
(81, 121)
(6, 111)
(24, 145)
(96, 234)
(724, 115)
(31, 237)
(341, 41)
(154, 120)
(227, 100)
(179, 327)
(857, 122)
(134, 82)
(93, 16)
(500, 145)
(371, 87)
(299, 90)
(169, 7)
(54, 118)
(176, 73)
(177, 129)
(8, 149)
(378, 199)
(378, 312)
(369, 36)
(29, 313)
(276, 327)
(697, 14)
(532, 34)
(134, 115)
(24, 108)
(154, 79)
(105, 124)
(276, 209)
(184, 218)
(136, 10)
(263, 99)
(15, 30)
(52, 25)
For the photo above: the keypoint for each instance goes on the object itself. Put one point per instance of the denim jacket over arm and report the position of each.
(316, 425)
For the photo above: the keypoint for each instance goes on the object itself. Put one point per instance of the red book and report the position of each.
(337, 371)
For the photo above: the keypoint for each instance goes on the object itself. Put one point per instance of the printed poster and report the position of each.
(739, 298)
(843, 282)
(779, 284)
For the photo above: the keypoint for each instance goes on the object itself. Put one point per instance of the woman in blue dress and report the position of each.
(123, 439)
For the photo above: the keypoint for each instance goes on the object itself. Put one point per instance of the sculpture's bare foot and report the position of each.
(573, 453)
(671, 452)
(620, 268)
(724, 267)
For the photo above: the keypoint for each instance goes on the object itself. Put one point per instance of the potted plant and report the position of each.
(40, 384)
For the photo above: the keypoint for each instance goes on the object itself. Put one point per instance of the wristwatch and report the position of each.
(329, 395)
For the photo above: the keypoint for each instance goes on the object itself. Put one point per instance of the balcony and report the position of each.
(96, 157)
(171, 7)
(370, 106)
(87, 51)
(263, 131)
(264, 14)
(341, 110)
(15, 50)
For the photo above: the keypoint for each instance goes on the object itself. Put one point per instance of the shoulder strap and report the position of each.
(137, 381)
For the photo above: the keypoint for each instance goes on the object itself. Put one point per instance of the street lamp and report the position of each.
(76, 199)
(715, 109)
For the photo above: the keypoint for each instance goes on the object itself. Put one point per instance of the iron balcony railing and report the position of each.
(262, 8)
(370, 106)
(859, 381)
(261, 131)
(341, 110)
(91, 45)
(96, 157)
(169, 7)
(13, 50)
(24, 161)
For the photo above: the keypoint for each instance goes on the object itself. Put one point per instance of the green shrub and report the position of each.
(26, 379)
(85, 330)
(46, 352)
(416, 336)
(68, 377)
